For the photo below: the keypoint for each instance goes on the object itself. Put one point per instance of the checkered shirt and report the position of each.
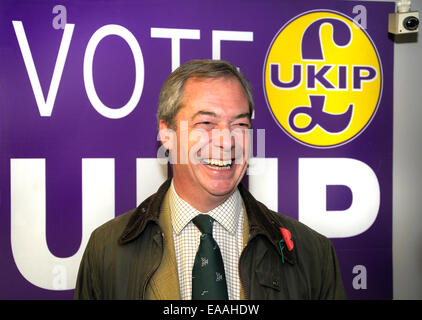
(227, 232)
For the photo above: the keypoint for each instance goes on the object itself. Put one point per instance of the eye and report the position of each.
(243, 125)
(204, 124)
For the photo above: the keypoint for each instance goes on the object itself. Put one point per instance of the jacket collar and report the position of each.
(261, 220)
(148, 211)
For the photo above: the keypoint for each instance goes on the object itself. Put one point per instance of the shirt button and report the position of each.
(275, 283)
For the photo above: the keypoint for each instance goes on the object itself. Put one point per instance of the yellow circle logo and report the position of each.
(322, 79)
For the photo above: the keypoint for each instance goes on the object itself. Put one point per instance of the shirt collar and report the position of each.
(226, 214)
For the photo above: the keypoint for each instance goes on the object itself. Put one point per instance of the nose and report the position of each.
(223, 139)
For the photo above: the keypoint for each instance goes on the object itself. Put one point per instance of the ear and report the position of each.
(167, 135)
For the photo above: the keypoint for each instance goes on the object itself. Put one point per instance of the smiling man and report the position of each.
(203, 235)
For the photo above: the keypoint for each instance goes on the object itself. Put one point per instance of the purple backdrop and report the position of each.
(75, 130)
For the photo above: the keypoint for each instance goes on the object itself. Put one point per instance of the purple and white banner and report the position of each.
(79, 85)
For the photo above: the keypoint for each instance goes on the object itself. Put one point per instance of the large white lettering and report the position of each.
(45, 106)
(28, 205)
(28, 219)
(28, 214)
(263, 181)
(113, 29)
(150, 174)
(175, 35)
(315, 174)
(219, 35)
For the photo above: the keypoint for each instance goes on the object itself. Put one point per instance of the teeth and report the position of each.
(216, 162)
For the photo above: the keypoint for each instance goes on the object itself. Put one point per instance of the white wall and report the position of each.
(407, 168)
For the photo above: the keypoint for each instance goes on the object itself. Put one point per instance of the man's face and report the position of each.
(212, 140)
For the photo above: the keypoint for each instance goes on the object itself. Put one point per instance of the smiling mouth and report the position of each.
(217, 164)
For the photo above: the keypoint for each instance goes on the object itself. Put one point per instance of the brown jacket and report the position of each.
(123, 254)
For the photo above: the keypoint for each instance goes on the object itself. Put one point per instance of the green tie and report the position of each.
(208, 276)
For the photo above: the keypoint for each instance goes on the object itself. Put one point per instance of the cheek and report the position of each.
(243, 140)
(199, 142)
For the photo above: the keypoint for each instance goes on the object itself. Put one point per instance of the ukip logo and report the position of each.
(322, 79)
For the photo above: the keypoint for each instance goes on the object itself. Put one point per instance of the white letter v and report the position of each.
(44, 106)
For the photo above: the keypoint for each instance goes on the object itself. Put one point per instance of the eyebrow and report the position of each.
(204, 113)
(243, 115)
(213, 114)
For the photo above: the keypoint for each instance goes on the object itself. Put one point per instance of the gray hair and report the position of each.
(171, 94)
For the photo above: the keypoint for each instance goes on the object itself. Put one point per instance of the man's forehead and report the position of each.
(201, 86)
(201, 100)
(196, 82)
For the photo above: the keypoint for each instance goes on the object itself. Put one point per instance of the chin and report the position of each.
(220, 188)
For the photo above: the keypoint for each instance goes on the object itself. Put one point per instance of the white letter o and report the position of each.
(113, 29)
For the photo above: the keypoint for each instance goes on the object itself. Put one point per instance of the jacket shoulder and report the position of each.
(111, 230)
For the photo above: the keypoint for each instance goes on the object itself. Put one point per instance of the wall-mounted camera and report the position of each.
(403, 22)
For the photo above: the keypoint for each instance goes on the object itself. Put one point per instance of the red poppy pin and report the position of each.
(287, 236)
(287, 239)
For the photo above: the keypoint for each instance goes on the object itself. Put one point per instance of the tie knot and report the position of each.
(204, 223)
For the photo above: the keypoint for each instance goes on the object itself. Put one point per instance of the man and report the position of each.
(159, 250)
